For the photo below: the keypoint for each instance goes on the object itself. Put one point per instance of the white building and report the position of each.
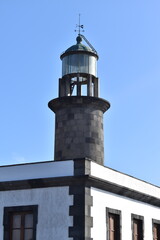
(75, 196)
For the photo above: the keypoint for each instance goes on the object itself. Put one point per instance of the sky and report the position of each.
(126, 35)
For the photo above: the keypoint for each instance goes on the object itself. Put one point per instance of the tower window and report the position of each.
(20, 223)
(137, 227)
(156, 229)
(113, 224)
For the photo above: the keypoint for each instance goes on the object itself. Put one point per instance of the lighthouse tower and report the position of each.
(78, 109)
(76, 197)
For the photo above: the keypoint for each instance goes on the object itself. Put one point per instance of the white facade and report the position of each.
(36, 170)
(104, 199)
(53, 208)
(55, 203)
(124, 180)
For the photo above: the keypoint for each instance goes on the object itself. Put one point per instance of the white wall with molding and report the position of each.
(36, 170)
(124, 180)
(53, 210)
(127, 206)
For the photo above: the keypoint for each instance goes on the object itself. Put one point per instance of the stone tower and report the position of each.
(78, 109)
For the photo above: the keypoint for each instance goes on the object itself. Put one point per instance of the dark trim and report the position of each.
(87, 180)
(36, 183)
(123, 191)
(82, 202)
(88, 159)
(155, 222)
(137, 217)
(116, 212)
(81, 212)
(82, 166)
(9, 210)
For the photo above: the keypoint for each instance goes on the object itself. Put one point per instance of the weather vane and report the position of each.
(79, 26)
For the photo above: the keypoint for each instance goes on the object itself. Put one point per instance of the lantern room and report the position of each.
(79, 70)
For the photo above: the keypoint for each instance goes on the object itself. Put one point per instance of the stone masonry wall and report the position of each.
(79, 130)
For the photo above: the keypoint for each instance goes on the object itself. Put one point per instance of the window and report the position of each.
(113, 224)
(20, 223)
(156, 229)
(137, 227)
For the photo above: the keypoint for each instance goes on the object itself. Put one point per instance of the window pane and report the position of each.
(137, 229)
(92, 65)
(114, 227)
(16, 221)
(28, 220)
(111, 236)
(28, 235)
(16, 234)
(156, 231)
(111, 223)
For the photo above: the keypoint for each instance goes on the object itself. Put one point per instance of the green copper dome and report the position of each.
(79, 47)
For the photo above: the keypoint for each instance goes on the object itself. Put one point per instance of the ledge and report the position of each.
(79, 101)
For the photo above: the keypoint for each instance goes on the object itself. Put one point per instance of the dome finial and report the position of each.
(79, 39)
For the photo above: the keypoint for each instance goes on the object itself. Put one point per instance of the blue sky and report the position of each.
(126, 34)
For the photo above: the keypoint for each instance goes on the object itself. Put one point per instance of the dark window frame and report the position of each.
(8, 211)
(137, 217)
(115, 212)
(155, 221)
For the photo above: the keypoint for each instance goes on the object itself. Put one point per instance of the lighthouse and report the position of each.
(79, 109)
(74, 196)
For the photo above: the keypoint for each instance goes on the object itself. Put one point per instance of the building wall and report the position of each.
(36, 170)
(103, 200)
(53, 210)
(124, 180)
